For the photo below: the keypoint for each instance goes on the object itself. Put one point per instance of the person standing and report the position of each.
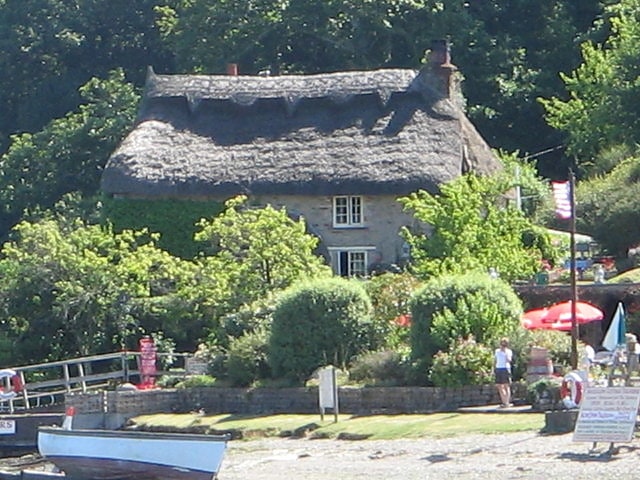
(502, 362)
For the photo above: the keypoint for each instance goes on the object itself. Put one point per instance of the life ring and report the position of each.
(571, 389)
(16, 383)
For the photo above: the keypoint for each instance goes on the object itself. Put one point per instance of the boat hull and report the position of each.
(110, 455)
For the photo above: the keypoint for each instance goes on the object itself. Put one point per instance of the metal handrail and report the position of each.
(76, 375)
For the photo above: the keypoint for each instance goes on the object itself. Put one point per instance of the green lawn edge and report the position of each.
(373, 427)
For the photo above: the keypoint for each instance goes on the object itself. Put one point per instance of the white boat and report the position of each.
(128, 454)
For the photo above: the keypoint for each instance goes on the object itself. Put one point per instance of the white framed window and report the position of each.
(350, 261)
(347, 211)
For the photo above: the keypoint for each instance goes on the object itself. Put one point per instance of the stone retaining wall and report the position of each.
(362, 401)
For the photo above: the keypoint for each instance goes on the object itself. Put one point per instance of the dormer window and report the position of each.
(347, 211)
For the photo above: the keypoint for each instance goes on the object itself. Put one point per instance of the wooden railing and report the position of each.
(46, 384)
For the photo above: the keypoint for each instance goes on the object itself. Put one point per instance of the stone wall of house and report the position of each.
(362, 401)
(383, 219)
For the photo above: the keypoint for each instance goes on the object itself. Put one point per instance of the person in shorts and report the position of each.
(503, 357)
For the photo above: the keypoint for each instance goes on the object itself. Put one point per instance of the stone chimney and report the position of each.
(439, 74)
(232, 69)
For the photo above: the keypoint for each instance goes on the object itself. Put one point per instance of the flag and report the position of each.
(617, 330)
(562, 198)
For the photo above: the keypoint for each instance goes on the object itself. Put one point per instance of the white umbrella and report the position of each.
(615, 335)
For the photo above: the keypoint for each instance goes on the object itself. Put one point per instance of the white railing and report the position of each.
(46, 384)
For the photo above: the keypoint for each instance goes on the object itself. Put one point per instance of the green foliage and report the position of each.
(461, 306)
(601, 109)
(69, 153)
(558, 344)
(524, 174)
(380, 368)
(607, 204)
(465, 363)
(318, 323)
(471, 231)
(261, 249)
(196, 381)
(247, 358)
(175, 220)
(544, 394)
(73, 289)
(390, 295)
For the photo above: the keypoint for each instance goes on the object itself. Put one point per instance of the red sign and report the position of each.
(148, 357)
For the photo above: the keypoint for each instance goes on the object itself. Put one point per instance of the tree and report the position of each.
(72, 289)
(607, 208)
(69, 153)
(52, 47)
(261, 249)
(471, 231)
(601, 110)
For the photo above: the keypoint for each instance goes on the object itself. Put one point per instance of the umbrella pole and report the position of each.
(574, 283)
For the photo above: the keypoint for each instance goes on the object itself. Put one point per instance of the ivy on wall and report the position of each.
(174, 220)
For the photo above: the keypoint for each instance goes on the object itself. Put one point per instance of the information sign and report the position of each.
(607, 414)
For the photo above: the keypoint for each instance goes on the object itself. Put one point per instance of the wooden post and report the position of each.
(575, 333)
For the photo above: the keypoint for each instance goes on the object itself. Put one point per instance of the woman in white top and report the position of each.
(502, 363)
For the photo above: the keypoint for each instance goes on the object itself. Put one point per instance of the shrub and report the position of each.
(195, 381)
(381, 368)
(459, 306)
(317, 323)
(466, 363)
(390, 295)
(544, 394)
(246, 359)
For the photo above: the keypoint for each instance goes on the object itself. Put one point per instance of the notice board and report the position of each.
(607, 414)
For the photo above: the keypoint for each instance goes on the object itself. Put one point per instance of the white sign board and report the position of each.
(607, 414)
(7, 427)
(326, 388)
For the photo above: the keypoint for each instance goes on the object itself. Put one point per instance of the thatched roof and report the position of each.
(384, 131)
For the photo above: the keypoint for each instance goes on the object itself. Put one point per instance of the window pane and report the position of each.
(357, 264)
(341, 210)
(356, 210)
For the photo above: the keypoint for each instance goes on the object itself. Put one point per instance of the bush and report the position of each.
(544, 394)
(246, 360)
(194, 381)
(317, 323)
(380, 368)
(390, 296)
(460, 306)
(466, 363)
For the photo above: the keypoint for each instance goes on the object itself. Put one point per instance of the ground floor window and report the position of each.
(350, 262)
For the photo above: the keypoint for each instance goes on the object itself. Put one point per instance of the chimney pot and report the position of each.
(232, 69)
(440, 52)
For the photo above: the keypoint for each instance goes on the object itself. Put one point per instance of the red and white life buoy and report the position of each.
(14, 379)
(571, 389)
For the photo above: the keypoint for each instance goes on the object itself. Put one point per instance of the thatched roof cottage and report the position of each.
(336, 148)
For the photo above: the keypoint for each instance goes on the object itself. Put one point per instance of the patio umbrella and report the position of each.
(532, 319)
(616, 334)
(559, 315)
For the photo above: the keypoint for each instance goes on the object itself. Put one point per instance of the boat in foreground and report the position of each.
(128, 454)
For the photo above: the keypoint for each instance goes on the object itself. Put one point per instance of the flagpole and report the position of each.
(574, 283)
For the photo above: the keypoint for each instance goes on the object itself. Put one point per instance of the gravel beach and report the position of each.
(508, 456)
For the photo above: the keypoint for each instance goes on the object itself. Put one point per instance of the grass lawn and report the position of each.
(374, 427)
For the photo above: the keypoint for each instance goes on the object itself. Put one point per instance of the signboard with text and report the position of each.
(7, 427)
(607, 414)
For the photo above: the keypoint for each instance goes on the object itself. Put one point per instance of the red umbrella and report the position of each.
(561, 313)
(532, 319)
(558, 316)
